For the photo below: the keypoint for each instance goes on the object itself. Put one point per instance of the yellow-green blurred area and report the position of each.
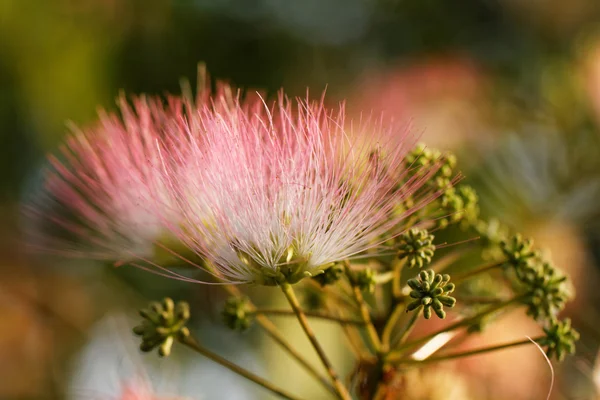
(512, 86)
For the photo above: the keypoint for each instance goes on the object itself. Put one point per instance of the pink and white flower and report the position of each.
(264, 193)
(273, 194)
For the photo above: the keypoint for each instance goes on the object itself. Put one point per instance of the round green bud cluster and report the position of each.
(560, 339)
(470, 199)
(330, 276)
(432, 164)
(546, 290)
(519, 254)
(491, 234)
(237, 314)
(461, 204)
(417, 247)
(431, 291)
(163, 323)
(423, 157)
(365, 279)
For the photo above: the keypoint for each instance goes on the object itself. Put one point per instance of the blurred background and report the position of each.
(512, 86)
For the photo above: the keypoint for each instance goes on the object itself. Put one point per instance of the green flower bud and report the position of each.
(237, 314)
(470, 211)
(365, 280)
(417, 247)
(519, 253)
(491, 234)
(560, 339)
(163, 323)
(460, 204)
(422, 159)
(431, 291)
(423, 156)
(546, 290)
(330, 276)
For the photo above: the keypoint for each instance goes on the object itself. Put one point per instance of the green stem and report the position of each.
(364, 313)
(389, 327)
(314, 314)
(470, 352)
(341, 390)
(357, 345)
(486, 268)
(409, 327)
(396, 286)
(194, 345)
(271, 330)
(384, 277)
(444, 262)
(398, 353)
(470, 300)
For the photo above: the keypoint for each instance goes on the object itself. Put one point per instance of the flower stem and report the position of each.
(409, 327)
(485, 268)
(470, 352)
(190, 342)
(384, 277)
(396, 287)
(314, 314)
(365, 315)
(357, 345)
(471, 300)
(340, 389)
(276, 335)
(399, 351)
(389, 327)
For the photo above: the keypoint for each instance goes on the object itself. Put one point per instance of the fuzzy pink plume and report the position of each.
(102, 191)
(273, 193)
(263, 192)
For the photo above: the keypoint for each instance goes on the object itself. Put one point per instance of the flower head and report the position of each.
(263, 193)
(278, 193)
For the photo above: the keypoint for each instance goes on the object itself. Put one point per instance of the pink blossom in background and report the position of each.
(140, 389)
(442, 95)
(136, 390)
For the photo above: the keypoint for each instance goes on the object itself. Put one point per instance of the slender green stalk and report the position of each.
(372, 334)
(408, 329)
(357, 345)
(470, 352)
(485, 268)
(341, 390)
(194, 345)
(396, 287)
(471, 300)
(384, 277)
(342, 299)
(445, 261)
(389, 327)
(366, 317)
(271, 330)
(314, 314)
(399, 351)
